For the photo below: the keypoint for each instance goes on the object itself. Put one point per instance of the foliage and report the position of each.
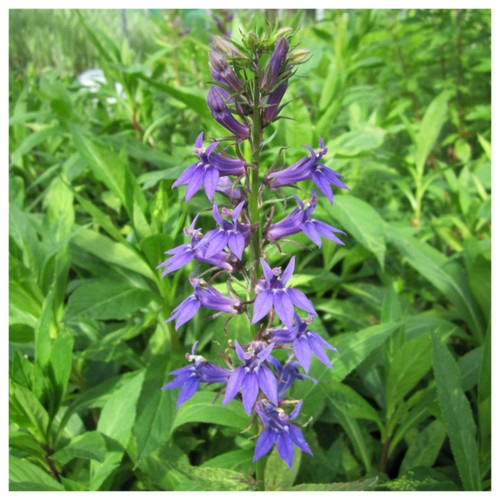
(404, 100)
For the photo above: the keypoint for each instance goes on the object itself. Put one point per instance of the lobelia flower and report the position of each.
(233, 234)
(252, 376)
(287, 374)
(276, 62)
(309, 167)
(190, 377)
(225, 186)
(300, 220)
(207, 297)
(273, 101)
(222, 115)
(196, 249)
(279, 430)
(207, 170)
(272, 291)
(304, 341)
(223, 73)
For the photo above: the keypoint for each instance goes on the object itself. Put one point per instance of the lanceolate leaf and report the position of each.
(457, 415)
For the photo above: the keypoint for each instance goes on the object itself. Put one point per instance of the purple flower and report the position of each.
(279, 430)
(196, 249)
(233, 234)
(190, 377)
(300, 220)
(223, 116)
(272, 291)
(310, 168)
(208, 169)
(223, 73)
(252, 376)
(305, 342)
(287, 375)
(207, 297)
(226, 187)
(273, 100)
(276, 62)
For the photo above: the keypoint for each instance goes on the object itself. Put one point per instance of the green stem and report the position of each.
(254, 190)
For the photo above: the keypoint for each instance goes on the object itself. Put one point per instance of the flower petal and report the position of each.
(262, 306)
(210, 180)
(284, 445)
(194, 184)
(311, 232)
(324, 186)
(298, 438)
(303, 353)
(301, 301)
(287, 274)
(268, 272)
(236, 244)
(186, 176)
(284, 307)
(268, 384)
(233, 385)
(188, 389)
(264, 443)
(249, 391)
(319, 351)
(187, 312)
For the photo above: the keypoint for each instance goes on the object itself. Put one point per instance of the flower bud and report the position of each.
(298, 55)
(227, 48)
(223, 73)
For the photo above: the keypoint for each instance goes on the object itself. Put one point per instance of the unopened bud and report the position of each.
(298, 55)
(225, 47)
(282, 32)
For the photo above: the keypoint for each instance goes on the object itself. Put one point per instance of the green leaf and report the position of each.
(457, 415)
(236, 459)
(433, 266)
(200, 409)
(434, 118)
(420, 479)
(353, 349)
(356, 142)
(348, 401)
(115, 253)
(361, 485)
(106, 299)
(116, 421)
(24, 476)
(43, 343)
(34, 140)
(27, 411)
(425, 449)
(213, 479)
(155, 410)
(277, 475)
(89, 445)
(409, 364)
(360, 221)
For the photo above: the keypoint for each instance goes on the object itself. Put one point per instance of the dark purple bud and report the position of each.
(273, 101)
(223, 116)
(276, 62)
(223, 73)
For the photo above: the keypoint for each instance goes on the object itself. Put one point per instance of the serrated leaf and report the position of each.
(361, 485)
(25, 476)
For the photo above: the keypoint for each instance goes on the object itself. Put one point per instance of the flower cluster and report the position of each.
(250, 80)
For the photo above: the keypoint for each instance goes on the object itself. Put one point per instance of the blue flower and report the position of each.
(207, 171)
(300, 220)
(287, 374)
(190, 377)
(196, 249)
(273, 292)
(233, 234)
(279, 430)
(222, 115)
(252, 376)
(204, 295)
(305, 342)
(309, 167)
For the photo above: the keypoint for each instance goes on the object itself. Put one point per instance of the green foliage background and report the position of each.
(402, 99)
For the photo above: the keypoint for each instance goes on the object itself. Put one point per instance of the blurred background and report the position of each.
(104, 109)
